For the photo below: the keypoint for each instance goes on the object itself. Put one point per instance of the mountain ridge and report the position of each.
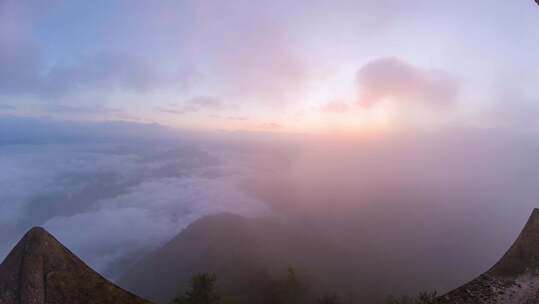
(241, 251)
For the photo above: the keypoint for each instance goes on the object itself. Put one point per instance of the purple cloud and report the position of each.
(394, 78)
(194, 104)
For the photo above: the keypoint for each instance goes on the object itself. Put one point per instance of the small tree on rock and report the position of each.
(328, 299)
(203, 290)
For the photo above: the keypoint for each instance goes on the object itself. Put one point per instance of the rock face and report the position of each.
(40, 270)
(513, 279)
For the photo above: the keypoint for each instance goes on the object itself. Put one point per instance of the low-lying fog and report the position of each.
(414, 210)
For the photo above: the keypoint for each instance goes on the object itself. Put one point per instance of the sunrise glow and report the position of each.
(266, 66)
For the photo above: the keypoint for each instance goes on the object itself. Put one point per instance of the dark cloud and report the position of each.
(25, 70)
(106, 70)
(194, 104)
(393, 78)
(22, 73)
(68, 109)
(181, 111)
(20, 57)
(206, 102)
(7, 107)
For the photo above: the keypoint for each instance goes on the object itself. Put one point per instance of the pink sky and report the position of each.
(308, 66)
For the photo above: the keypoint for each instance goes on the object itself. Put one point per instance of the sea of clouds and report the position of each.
(440, 206)
(111, 197)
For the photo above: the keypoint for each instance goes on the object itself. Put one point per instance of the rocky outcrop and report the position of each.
(513, 279)
(40, 270)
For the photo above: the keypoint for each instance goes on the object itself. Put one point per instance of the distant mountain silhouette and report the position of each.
(240, 251)
(40, 270)
(226, 244)
(514, 279)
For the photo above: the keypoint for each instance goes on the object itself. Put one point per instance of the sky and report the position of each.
(344, 67)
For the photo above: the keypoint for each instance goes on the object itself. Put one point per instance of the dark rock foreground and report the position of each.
(40, 270)
(514, 279)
